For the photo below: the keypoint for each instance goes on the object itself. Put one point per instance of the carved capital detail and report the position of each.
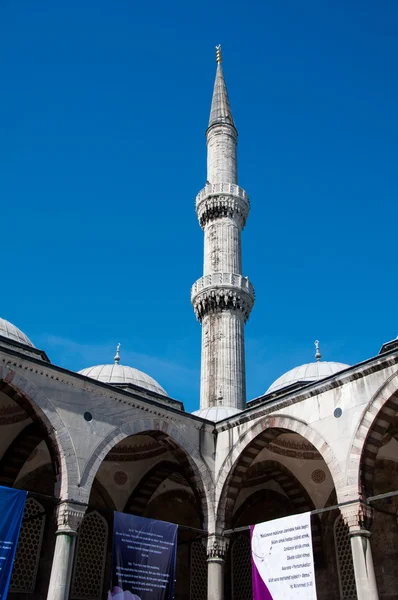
(218, 200)
(69, 516)
(222, 291)
(357, 516)
(217, 546)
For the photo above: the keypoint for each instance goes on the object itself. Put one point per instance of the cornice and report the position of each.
(136, 399)
(267, 405)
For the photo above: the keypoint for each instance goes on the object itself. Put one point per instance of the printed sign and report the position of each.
(282, 559)
(12, 504)
(143, 559)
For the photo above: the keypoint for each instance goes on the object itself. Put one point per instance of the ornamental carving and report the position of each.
(292, 450)
(214, 301)
(219, 292)
(120, 477)
(134, 453)
(216, 207)
(318, 476)
(358, 516)
(11, 414)
(217, 546)
(69, 516)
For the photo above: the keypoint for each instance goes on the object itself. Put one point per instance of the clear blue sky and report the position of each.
(103, 109)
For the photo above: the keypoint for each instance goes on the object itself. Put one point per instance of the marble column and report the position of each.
(217, 547)
(358, 517)
(69, 517)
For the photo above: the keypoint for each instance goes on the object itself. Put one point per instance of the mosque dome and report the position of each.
(307, 373)
(11, 332)
(216, 413)
(122, 375)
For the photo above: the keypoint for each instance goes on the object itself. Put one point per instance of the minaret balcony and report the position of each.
(219, 292)
(218, 200)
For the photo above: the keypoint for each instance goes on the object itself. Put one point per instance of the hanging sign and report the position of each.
(12, 504)
(282, 559)
(143, 559)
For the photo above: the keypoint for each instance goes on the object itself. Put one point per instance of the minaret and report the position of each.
(222, 298)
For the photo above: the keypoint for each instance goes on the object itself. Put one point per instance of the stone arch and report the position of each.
(375, 420)
(295, 492)
(40, 409)
(241, 456)
(149, 483)
(186, 453)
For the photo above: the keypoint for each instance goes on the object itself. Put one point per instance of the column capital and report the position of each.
(358, 516)
(217, 546)
(69, 516)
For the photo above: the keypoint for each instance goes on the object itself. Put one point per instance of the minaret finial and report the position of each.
(218, 54)
(117, 355)
(318, 354)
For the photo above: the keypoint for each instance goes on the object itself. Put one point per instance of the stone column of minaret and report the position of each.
(222, 298)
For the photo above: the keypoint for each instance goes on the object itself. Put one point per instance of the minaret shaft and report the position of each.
(222, 298)
(222, 247)
(221, 155)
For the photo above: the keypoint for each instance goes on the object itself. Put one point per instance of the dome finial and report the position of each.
(117, 355)
(318, 355)
(218, 54)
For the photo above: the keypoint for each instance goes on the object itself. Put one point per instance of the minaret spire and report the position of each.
(220, 107)
(222, 298)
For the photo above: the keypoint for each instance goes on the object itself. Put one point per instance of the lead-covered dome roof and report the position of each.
(11, 332)
(307, 373)
(122, 375)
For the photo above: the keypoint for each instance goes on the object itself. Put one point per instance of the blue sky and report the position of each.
(103, 109)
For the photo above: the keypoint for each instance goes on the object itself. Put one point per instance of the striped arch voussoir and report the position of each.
(40, 409)
(376, 419)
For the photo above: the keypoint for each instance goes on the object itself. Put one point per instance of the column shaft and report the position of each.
(222, 247)
(215, 581)
(69, 517)
(61, 571)
(359, 516)
(365, 578)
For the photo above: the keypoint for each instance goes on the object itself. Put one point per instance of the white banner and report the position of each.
(282, 559)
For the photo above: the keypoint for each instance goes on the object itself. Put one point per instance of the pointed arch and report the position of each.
(40, 409)
(234, 469)
(186, 453)
(373, 425)
(294, 490)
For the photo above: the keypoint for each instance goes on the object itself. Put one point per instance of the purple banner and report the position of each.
(143, 559)
(282, 559)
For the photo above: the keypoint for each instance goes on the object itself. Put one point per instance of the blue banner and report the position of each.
(12, 504)
(143, 559)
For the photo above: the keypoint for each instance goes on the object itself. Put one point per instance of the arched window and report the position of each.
(88, 576)
(241, 569)
(345, 567)
(27, 556)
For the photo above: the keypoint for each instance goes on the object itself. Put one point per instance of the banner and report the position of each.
(143, 559)
(12, 504)
(282, 559)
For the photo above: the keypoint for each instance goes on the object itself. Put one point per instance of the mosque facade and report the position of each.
(323, 438)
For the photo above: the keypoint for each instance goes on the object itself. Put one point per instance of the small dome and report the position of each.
(307, 373)
(11, 332)
(122, 374)
(216, 413)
